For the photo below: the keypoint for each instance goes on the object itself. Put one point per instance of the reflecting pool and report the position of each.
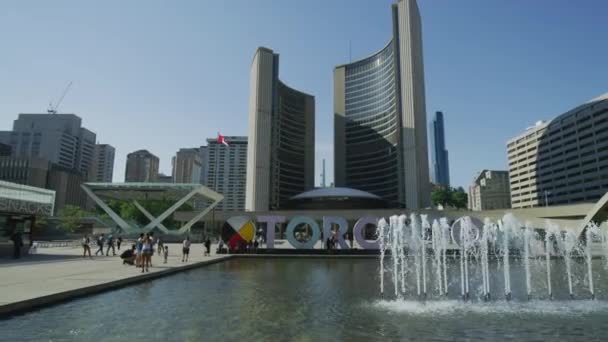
(313, 299)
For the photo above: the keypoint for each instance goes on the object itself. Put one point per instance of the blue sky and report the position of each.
(162, 75)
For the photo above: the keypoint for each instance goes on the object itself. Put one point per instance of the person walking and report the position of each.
(138, 247)
(166, 252)
(100, 241)
(152, 245)
(208, 247)
(160, 246)
(185, 249)
(17, 244)
(110, 244)
(86, 246)
(119, 242)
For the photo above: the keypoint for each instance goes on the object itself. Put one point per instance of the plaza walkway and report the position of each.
(58, 273)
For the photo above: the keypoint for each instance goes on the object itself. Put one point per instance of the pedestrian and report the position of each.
(166, 252)
(138, 247)
(185, 249)
(86, 246)
(110, 244)
(17, 244)
(160, 246)
(152, 245)
(256, 243)
(146, 251)
(119, 242)
(100, 241)
(352, 241)
(208, 247)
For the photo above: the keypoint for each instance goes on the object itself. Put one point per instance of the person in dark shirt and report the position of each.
(128, 256)
(17, 244)
(208, 247)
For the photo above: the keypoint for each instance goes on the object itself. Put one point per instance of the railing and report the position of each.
(75, 243)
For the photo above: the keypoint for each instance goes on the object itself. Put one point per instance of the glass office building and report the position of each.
(380, 138)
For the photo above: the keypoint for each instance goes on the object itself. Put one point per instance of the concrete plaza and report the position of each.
(58, 273)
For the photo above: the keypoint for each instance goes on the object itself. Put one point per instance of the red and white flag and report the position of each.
(221, 139)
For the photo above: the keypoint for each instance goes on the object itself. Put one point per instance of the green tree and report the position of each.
(69, 217)
(459, 198)
(441, 196)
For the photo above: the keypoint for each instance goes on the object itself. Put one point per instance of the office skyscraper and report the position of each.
(281, 151)
(440, 167)
(142, 166)
(226, 171)
(380, 139)
(103, 163)
(58, 138)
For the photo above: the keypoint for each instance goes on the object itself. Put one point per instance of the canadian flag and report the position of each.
(221, 139)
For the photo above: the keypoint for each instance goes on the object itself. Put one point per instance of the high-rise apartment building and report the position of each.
(203, 150)
(187, 165)
(281, 151)
(226, 171)
(103, 163)
(380, 138)
(58, 138)
(440, 167)
(142, 166)
(490, 190)
(561, 161)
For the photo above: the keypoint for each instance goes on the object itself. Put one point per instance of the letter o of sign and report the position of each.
(358, 232)
(291, 227)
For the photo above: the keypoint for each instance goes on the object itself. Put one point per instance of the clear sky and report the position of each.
(162, 75)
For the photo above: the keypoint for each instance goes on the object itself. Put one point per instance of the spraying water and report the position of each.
(408, 240)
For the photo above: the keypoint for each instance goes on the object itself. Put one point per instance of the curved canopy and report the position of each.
(335, 192)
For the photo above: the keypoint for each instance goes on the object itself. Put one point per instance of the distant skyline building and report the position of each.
(163, 178)
(103, 163)
(5, 150)
(187, 166)
(281, 151)
(58, 138)
(41, 173)
(440, 167)
(562, 161)
(380, 138)
(490, 190)
(226, 171)
(142, 166)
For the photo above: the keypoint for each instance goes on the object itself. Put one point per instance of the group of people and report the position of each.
(141, 252)
(101, 241)
(333, 241)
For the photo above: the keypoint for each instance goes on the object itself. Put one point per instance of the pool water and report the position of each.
(290, 299)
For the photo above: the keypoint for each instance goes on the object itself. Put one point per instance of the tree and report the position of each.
(69, 217)
(440, 196)
(459, 198)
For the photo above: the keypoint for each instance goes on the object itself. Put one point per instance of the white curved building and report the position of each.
(380, 137)
(281, 150)
(562, 161)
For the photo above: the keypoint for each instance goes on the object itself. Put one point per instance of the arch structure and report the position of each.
(598, 215)
(135, 192)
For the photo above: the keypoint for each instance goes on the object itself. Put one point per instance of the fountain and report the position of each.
(415, 243)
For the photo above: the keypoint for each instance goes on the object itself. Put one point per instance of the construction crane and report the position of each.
(53, 109)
